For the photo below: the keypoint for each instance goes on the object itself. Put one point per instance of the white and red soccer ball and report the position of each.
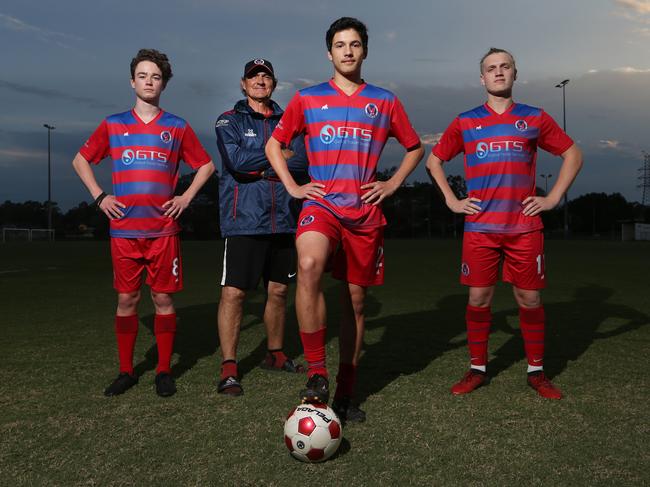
(312, 432)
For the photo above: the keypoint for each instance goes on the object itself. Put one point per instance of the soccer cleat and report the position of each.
(230, 386)
(288, 366)
(347, 411)
(165, 385)
(317, 390)
(543, 386)
(123, 383)
(472, 379)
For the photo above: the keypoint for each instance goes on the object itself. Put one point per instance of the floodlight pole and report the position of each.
(49, 178)
(562, 85)
(546, 178)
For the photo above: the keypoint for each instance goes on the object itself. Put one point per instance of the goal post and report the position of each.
(27, 235)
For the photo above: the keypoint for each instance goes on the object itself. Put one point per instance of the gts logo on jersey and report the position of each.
(483, 148)
(329, 134)
(129, 156)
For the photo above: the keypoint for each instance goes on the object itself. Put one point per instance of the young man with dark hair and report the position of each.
(502, 222)
(145, 145)
(346, 123)
(258, 221)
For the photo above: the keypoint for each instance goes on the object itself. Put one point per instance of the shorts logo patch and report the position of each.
(464, 269)
(307, 220)
(371, 110)
(166, 136)
(521, 125)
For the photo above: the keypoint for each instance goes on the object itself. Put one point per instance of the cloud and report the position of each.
(609, 144)
(639, 6)
(631, 70)
(21, 153)
(44, 35)
(430, 139)
(49, 94)
(391, 36)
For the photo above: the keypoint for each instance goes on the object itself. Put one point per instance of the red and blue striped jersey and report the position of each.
(145, 167)
(344, 137)
(500, 154)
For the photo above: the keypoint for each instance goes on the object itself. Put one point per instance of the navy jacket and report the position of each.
(252, 200)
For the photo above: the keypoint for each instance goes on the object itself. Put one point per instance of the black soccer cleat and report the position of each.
(317, 390)
(123, 383)
(347, 411)
(165, 385)
(230, 386)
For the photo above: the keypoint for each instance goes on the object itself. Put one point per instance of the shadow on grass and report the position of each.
(571, 329)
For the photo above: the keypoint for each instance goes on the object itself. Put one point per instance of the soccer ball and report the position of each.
(312, 432)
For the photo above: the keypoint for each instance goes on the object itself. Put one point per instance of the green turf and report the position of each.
(58, 353)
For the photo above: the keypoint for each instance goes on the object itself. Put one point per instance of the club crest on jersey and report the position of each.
(128, 156)
(521, 125)
(250, 133)
(371, 110)
(464, 269)
(166, 136)
(307, 220)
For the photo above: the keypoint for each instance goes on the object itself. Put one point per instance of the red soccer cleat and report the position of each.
(470, 381)
(544, 386)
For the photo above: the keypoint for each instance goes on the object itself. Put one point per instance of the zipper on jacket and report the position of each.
(272, 206)
(234, 206)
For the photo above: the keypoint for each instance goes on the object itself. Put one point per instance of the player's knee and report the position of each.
(527, 298)
(277, 292)
(309, 268)
(232, 295)
(161, 300)
(128, 301)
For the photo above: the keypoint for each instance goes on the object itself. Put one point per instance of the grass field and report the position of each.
(58, 354)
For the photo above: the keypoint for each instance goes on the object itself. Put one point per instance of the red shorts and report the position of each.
(522, 254)
(160, 256)
(356, 253)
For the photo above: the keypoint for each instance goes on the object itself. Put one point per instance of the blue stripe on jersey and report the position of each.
(355, 144)
(345, 114)
(499, 181)
(141, 233)
(125, 118)
(344, 200)
(372, 91)
(169, 120)
(521, 110)
(141, 140)
(478, 112)
(499, 130)
(323, 89)
(500, 206)
(148, 164)
(340, 171)
(496, 227)
(143, 212)
(474, 160)
(144, 187)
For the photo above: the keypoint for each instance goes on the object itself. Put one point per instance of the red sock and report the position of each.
(164, 327)
(314, 346)
(345, 380)
(279, 357)
(229, 368)
(478, 330)
(531, 321)
(126, 331)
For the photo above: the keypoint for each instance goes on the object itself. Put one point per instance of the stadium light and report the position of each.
(49, 177)
(562, 84)
(546, 178)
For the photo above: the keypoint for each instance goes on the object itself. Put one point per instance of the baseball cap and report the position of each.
(260, 65)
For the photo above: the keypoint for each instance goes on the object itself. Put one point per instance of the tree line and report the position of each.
(415, 211)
